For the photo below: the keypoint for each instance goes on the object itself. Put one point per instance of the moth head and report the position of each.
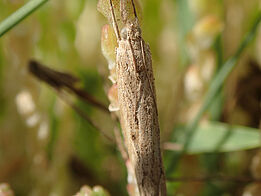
(131, 31)
(124, 33)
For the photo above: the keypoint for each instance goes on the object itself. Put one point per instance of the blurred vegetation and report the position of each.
(48, 149)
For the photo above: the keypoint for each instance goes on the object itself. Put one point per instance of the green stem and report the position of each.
(19, 15)
(215, 85)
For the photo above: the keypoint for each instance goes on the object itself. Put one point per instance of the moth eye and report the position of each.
(124, 33)
(138, 32)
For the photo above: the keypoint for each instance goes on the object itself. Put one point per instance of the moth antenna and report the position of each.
(114, 23)
(134, 9)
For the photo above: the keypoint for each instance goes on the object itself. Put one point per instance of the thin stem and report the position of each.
(20, 15)
(215, 85)
(214, 178)
(63, 81)
(81, 113)
(119, 141)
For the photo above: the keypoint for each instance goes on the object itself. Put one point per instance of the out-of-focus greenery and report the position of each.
(20, 15)
(46, 148)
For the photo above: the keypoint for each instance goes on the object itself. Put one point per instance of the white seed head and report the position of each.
(33, 120)
(43, 130)
(192, 83)
(207, 66)
(205, 31)
(24, 102)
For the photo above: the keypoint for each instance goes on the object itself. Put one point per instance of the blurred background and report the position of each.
(48, 149)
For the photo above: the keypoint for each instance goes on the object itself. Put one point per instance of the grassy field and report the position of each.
(207, 67)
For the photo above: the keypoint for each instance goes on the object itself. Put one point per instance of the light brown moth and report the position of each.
(137, 102)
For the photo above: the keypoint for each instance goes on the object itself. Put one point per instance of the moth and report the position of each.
(137, 102)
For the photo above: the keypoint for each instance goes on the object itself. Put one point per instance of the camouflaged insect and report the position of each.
(137, 101)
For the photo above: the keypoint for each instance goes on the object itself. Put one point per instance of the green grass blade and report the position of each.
(220, 79)
(214, 136)
(215, 85)
(185, 21)
(19, 15)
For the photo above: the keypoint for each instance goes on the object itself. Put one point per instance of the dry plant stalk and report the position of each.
(137, 103)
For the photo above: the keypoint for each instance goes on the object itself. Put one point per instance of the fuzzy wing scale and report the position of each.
(136, 94)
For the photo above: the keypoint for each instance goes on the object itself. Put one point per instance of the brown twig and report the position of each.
(83, 115)
(214, 178)
(63, 81)
(120, 144)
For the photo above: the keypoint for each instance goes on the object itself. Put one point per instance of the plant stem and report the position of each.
(215, 85)
(20, 15)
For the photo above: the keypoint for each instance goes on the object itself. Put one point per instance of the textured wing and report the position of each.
(139, 112)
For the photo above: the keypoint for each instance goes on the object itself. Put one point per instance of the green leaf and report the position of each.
(221, 137)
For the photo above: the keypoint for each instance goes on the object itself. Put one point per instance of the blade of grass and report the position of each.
(185, 21)
(219, 51)
(20, 15)
(216, 107)
(54, 129)
(215, 85)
